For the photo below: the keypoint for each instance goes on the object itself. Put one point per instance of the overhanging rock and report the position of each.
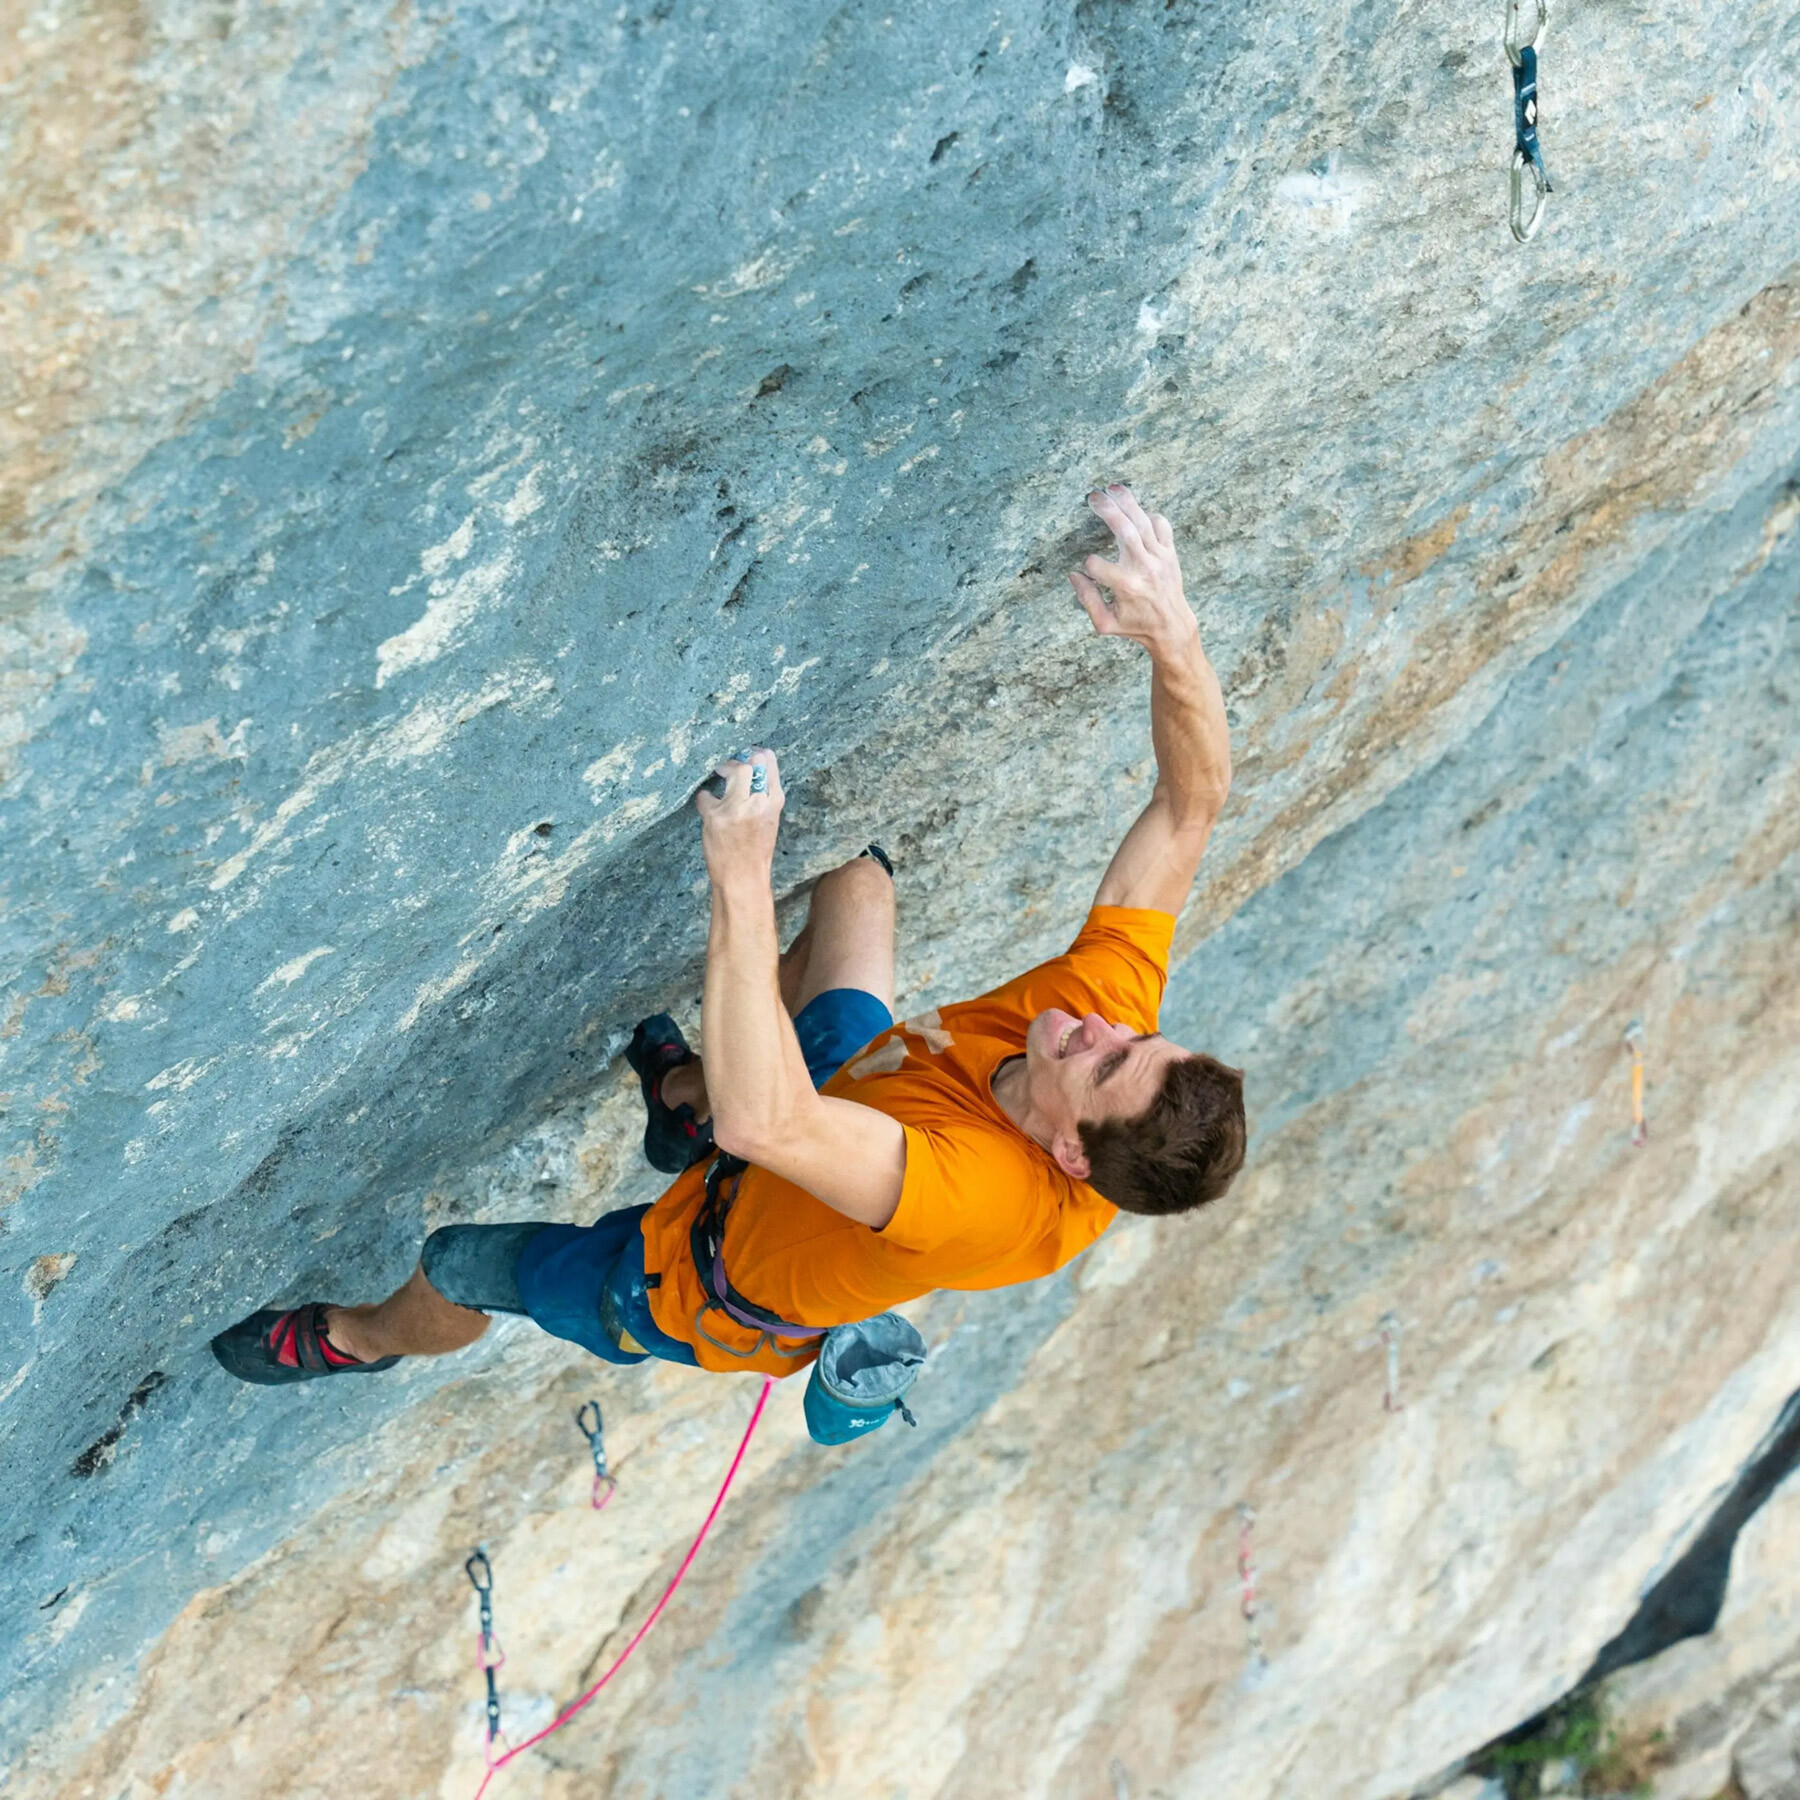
(440, 435)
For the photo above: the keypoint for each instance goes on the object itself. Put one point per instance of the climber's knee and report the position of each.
(477, 1266)
(850, 933)
(857, 893)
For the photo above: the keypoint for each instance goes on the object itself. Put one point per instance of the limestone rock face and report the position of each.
(434, 436)
(1726, 1706)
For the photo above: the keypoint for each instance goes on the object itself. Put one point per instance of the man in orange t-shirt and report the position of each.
(980, 1203)
(866, 1163)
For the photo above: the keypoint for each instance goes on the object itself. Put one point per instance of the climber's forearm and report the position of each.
(764, 1107)
(1188, 732)
(1155, 866)
(1141, 597)
(755, 1075)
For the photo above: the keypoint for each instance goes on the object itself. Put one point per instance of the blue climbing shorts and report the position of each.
(586, 1283)
(836, 1024)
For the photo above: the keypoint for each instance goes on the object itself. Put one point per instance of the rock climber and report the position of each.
(829, 1163)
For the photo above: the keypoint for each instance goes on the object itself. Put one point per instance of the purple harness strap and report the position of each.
(707, 1241)
(721, 1296)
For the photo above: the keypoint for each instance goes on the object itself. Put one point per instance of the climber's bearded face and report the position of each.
(1085, 1070)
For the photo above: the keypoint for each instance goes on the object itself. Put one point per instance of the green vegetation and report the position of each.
(1575, 1734)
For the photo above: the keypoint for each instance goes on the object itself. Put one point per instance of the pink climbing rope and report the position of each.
(668, 1593)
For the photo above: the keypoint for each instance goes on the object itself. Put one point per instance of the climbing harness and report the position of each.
(706, 1239)
(488, 1654)
(497, 1763)
(1634, 1042)
(1247, 1603)
(604, 1484)
(1390, 1338)
(861, 1371)
(1528, 154)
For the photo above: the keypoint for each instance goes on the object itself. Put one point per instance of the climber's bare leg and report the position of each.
(849, 937)
(847, 942)
(415, 1320)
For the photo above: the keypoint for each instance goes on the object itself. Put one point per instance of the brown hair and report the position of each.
(1179, 1154)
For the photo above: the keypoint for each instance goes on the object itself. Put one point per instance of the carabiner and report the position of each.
(1523, 228)
(488, 1654)
(595, 1433)
(1528, 153)
(1516, 41)
(484, 1582)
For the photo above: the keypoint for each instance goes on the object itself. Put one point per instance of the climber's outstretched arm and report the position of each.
(764, 1107)
(1155, 866)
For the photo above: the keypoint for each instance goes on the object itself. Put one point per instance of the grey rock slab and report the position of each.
(605, 389)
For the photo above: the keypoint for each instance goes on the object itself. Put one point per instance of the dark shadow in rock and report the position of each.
(1683, 1602)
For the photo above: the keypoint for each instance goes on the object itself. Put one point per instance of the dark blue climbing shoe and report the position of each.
(272, 1348)
(673, 1138)
(877, 854)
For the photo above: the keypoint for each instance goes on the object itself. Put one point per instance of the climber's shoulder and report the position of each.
(1117, 967)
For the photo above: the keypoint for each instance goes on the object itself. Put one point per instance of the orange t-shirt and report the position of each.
(981, 1206)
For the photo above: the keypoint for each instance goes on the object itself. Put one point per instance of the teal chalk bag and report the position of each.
(861, 1378)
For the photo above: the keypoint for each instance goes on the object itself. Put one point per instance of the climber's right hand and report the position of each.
(740, 816)
(1148, 603)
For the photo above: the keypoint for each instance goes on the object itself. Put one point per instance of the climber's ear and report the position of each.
(1071, 1156)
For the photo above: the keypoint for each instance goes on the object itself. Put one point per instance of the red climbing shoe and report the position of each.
(273, 1348)
(673, 1138)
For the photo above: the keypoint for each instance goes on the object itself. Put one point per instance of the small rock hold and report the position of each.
(45, 1272)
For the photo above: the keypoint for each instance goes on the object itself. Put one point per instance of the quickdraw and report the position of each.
(1248, 1605)
(1390, 1338)
(1528, 154)
(1634, 1042)
(604, 1484)
(484, 1586)
(488, 1654)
